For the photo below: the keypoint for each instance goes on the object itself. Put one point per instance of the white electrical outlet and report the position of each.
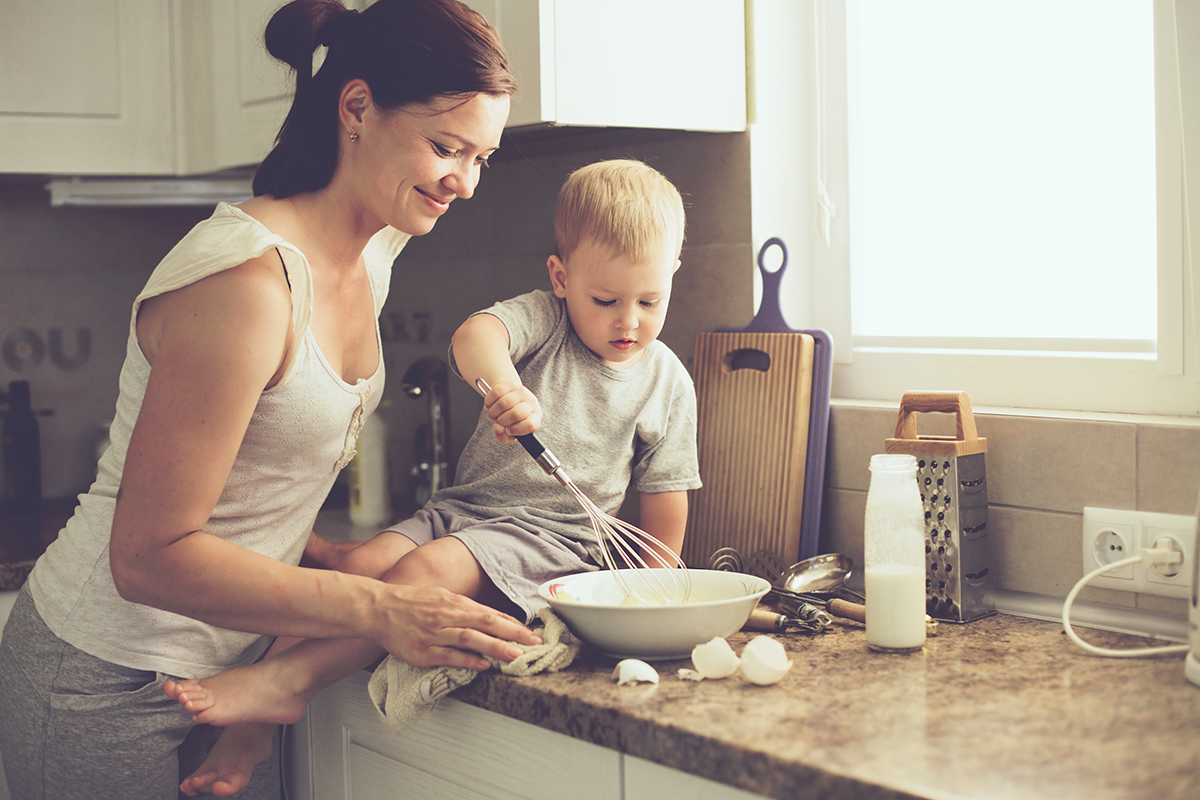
(1110, 535)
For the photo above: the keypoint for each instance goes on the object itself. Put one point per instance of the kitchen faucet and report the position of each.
(428, 376)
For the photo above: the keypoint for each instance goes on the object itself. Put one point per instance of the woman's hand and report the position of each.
(429, 627)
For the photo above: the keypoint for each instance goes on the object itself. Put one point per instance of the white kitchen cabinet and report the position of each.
(645, 780)
(232, 94)
(455, 751)
(85, 86)
(137, 87)
(342, 750)
(671, 64)
(185, 87)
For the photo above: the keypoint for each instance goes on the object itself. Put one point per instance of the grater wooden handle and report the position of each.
(946, 402)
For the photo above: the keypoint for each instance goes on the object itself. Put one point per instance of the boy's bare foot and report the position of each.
(257, 693)
(227, 769)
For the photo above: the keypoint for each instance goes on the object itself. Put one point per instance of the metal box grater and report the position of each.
(952, 478)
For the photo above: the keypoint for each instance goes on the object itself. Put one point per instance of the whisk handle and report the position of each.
(532, 445)
(545, 459)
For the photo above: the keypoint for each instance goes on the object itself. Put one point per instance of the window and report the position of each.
(1005, 171)
(1015, 206)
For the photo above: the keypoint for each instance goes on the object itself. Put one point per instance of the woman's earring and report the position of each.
(353, 135)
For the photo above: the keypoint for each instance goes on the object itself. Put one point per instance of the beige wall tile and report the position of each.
(1060, 464)
(855, 434)
(1175, 606)
(708, 271)
(1039, 552)
(842, 512)
(1168, 476)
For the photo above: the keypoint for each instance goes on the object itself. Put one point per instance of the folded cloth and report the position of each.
(402, 693)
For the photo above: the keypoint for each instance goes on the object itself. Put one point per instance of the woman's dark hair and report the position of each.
(406, 50)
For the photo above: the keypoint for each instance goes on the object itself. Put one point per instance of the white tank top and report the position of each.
(302, 433)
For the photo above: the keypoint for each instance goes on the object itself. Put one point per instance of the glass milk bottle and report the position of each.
(894, 556)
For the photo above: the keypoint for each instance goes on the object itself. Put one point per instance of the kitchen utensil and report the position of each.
(767, 565)
(824, 573)
(727, 559)
(952, 479)
(622, 545)
(594, 607)
(835, 606)
(763, 418)
(805, 617)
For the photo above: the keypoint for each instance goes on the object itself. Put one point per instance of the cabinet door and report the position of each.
(85, 87)
(625, 63)
(456, 750)
(650, 64)
(645, 780)
(233, 94)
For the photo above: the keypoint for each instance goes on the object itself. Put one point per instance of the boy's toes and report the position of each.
(198, 783)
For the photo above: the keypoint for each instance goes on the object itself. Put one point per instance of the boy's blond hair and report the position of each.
(623, 204)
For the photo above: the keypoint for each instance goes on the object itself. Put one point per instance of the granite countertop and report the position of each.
(1002, 708)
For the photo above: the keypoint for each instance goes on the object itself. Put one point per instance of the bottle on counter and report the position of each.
(894, 556)
(370, 489)
(22, 453)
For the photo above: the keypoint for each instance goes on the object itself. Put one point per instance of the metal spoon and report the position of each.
(824, 574)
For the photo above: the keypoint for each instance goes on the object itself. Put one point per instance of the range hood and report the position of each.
(203, 190)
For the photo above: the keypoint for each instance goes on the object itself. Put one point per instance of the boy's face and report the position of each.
(617, 307)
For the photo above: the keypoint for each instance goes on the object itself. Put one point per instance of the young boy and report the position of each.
(619, 407)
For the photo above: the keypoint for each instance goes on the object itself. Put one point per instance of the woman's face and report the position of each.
(418, 158)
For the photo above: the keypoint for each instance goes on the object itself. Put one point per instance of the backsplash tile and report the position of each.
(1168, 474)
(78, 391)
(64, 271)
(1042, 471)
(1060, 464)
(855, 434)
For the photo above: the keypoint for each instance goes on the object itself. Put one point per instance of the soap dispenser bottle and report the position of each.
(22, 453)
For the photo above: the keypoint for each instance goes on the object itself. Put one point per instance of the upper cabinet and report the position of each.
(137, 87)
(625, 63)
(232, 95)
(85, 86)
(186, 87)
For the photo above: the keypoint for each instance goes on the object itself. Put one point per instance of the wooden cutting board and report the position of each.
(754, 395)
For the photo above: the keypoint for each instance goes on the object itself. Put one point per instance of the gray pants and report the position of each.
(74, 727)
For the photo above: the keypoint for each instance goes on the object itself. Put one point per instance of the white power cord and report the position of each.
(1145, 557)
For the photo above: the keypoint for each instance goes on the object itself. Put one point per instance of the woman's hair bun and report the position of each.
(293, 32)
(337, 26)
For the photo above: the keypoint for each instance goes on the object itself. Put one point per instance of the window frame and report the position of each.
(1165, 382)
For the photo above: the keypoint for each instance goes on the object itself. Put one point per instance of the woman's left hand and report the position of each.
(428, 626)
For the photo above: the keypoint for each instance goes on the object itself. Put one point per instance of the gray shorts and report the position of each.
(516, 556)
(74, 727)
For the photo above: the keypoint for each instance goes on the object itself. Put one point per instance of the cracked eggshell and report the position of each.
(631, 670)
(764, 661)
(715, 658)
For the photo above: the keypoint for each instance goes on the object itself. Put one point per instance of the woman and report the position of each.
(253, 358)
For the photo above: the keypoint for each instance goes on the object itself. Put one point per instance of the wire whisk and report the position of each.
(661, 574)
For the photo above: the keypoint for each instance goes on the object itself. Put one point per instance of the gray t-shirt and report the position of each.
(610, 428)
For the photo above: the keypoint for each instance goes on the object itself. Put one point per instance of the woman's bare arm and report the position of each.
(214, 346)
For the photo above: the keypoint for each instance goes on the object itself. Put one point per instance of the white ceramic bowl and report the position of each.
(595, 609)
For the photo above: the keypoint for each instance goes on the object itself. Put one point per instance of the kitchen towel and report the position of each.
(402, 693)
